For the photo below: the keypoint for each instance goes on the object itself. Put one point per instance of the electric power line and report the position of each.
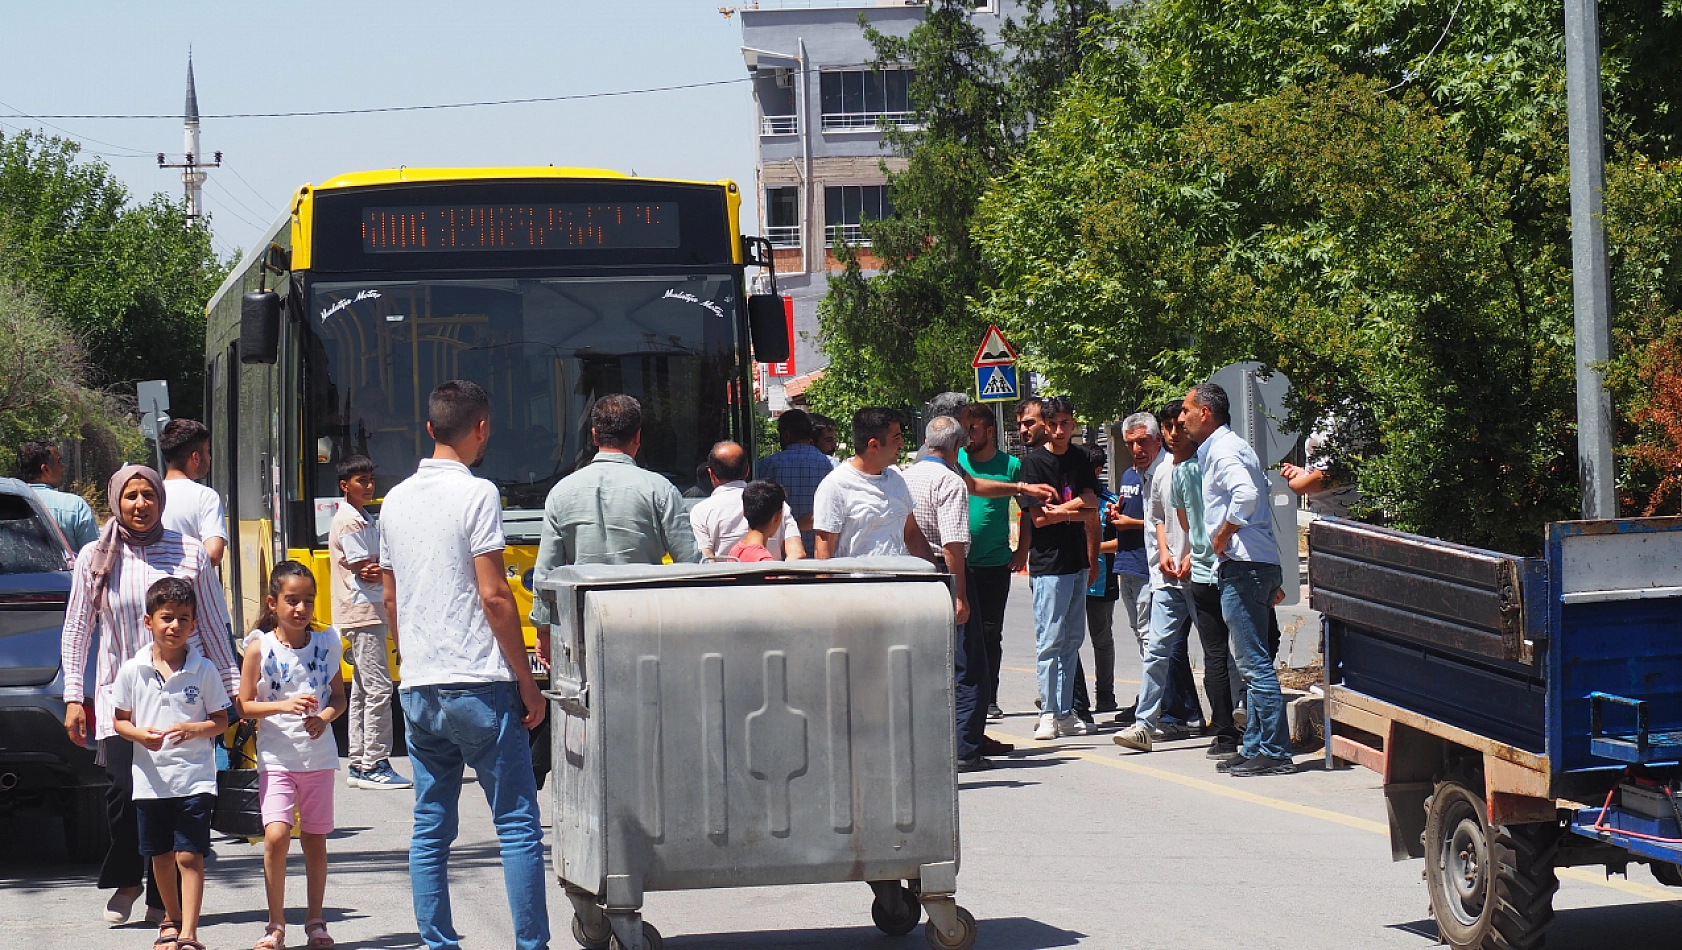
(236, 214)
(258, 194)
(137, 153)
(429, 107)
(233, 197)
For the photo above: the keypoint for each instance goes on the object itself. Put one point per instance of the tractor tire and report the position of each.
(1490, 888)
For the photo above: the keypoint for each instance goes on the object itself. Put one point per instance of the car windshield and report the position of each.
(28, 545)
(544, 348)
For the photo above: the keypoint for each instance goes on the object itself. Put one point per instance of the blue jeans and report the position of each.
(1171, 613)
(1247, 589)
(475, 724)
(1059, 629)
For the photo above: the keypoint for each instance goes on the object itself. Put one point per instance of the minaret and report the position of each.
(191, 175)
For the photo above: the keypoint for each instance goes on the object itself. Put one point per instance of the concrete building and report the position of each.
(819, 113)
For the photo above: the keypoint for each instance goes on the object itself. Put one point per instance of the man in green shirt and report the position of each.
(989, 552)
(1186, 496)
(610, 511)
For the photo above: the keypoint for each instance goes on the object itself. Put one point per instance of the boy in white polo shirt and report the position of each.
(170, 703)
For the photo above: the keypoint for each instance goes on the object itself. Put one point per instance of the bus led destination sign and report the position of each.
(520, 227)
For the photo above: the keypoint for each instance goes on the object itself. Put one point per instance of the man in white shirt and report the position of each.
(190, 508)
(468, 694)
(863, 508)
(718, 521)
(1240, 526)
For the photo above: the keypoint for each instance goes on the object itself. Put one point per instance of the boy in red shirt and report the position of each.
(762, 505)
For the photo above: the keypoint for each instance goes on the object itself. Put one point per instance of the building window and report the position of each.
(847, 207)
(782, 216)
(861, 99)
(987, 6)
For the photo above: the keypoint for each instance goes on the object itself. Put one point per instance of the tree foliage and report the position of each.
(899, 336)
(1358, 194)
(129, 280)
(43, 391)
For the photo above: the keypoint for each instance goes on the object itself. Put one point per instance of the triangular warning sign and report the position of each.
(994, 350)
(998, 384)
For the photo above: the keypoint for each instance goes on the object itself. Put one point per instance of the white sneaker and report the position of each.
(1136, 736)
(1048, 727)
(1071, 725)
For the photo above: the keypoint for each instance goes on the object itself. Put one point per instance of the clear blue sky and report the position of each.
(124, 57)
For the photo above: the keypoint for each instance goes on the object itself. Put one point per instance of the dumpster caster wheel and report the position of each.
(588, 940)
(963, 940)
(903, 922)
(650, 939)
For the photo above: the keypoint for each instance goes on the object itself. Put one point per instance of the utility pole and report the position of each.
(1591, 291)
(192, 166)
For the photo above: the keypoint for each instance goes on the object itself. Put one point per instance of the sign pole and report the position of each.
(1591, 294)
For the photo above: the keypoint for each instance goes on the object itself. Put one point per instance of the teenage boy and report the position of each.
(170, 703)
(359, 613)
(764, 505)
(1062, 564)
(190, 508)
(469, 698)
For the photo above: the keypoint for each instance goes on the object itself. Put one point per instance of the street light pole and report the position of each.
(1591, 291)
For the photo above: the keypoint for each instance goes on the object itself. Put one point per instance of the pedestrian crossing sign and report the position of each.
(996, 383)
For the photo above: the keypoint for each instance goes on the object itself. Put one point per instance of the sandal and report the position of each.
(188, 945)
(167, 941)
(316, 930)
(274, 938)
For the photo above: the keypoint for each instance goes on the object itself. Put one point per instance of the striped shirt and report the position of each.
(939, 502)
(121, 624)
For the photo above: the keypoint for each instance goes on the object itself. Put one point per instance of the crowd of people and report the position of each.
(1185, 542)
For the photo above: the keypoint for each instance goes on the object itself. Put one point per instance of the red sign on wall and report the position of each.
(787, 369)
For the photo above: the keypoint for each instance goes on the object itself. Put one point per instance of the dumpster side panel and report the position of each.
(775, 733)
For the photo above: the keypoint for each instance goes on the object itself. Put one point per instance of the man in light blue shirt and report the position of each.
(1240, 528)
(41, 466)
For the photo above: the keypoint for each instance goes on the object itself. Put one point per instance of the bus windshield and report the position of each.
(545, 348)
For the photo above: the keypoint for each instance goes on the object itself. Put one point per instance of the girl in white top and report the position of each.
(291, 681)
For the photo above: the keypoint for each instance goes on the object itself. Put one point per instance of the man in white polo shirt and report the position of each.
(468, 695)
(719, 522)
(191, 507)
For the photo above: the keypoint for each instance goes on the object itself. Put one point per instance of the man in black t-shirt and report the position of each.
(1062, 563)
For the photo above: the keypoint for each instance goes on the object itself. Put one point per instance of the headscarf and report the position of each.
(108, 550)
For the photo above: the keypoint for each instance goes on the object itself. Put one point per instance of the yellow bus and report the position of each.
(551, 287)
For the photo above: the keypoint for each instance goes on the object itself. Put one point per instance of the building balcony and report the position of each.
(866, 121)
(779, 125)
(851, 234)
(781, 235)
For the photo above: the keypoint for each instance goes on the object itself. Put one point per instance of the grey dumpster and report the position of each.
(732, 725)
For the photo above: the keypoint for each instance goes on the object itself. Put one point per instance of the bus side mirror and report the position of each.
(259, 327)
(768, 323)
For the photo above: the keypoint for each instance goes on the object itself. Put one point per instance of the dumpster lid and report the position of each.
(632, 575)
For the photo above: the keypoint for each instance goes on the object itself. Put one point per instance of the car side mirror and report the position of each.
(259, 327)
(768, 324)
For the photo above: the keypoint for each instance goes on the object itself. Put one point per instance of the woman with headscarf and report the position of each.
(108, 590)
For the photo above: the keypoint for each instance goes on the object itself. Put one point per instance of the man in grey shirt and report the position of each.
(610, 511)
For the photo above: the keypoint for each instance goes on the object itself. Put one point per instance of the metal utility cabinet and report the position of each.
(1525, 713)
(731, 725)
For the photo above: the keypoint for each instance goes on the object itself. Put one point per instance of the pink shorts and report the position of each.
(311, 792)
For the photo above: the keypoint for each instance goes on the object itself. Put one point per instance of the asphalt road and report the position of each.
(1067, 844)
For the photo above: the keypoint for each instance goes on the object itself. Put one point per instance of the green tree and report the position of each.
(130, 280)
(899, 336)
(1360, 194)
(43, 391)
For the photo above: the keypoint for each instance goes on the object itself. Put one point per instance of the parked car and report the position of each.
(40, 768)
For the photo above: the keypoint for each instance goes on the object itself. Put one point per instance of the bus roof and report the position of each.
(298, 211)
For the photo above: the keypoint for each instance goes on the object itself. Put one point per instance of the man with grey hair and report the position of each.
(940, 505)
(1143, 437)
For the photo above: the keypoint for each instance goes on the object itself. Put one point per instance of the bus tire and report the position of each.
(1490, 889)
